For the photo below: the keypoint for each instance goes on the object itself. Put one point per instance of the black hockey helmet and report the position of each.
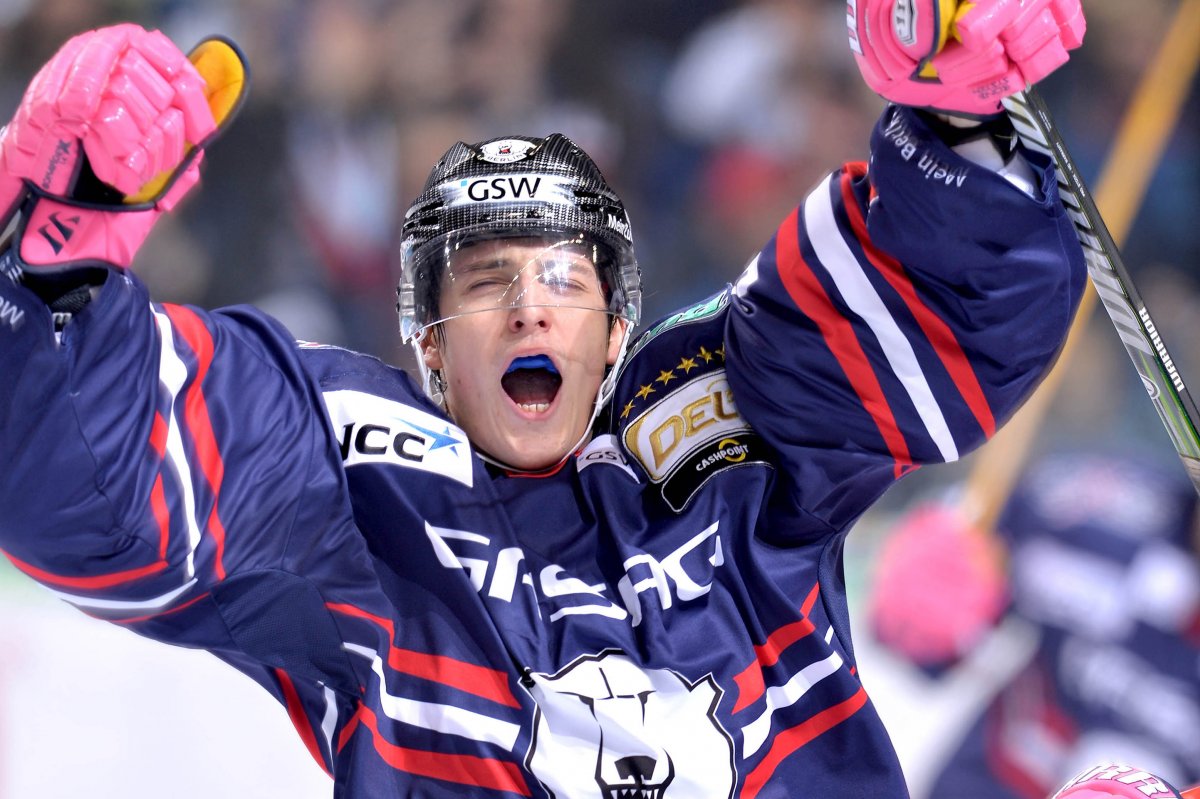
(515, 187)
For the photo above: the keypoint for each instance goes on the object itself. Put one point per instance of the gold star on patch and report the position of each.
(628, 410)
(705, 354)
(721, 352)
(665, 377)
(687, 365)
(645, 391)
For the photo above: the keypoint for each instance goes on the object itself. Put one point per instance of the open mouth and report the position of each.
(532, 382)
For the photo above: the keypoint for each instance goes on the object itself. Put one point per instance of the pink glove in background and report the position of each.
(939, 586)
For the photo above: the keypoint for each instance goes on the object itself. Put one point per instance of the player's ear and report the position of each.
(431, 351)
(616, 334)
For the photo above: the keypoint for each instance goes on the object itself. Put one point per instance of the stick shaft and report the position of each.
(1137, 149)
(1113, 283)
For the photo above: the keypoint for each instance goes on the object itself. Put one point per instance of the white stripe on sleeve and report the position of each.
(862, 298)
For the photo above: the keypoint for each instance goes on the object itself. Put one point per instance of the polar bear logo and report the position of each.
(608, 729)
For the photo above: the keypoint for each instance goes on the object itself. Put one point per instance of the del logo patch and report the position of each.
(691, 434)
(372, 429)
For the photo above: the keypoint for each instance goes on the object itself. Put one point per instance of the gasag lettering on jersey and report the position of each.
(372, 429)
(662, 579)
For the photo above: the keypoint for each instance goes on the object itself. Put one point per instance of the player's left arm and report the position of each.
(905, 309)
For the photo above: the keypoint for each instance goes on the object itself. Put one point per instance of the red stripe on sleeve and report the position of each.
(750, 681)
(348, 731)
(199, 422)
(476, 680)
(480, 681)
(792, 739)
(948, 350)
(159, 615)
(96, 581)
(158, 435)
(811, 599)
(295, 711)
(481, 772)
(359, 613)
(158, 499)
(810, 297)
(162, 516)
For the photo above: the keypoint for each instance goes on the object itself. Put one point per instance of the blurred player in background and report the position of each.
(1099, 554)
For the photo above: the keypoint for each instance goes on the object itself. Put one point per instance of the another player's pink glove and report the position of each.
(1110, 780)
(939, 586)
(960, 56)
(108, 137)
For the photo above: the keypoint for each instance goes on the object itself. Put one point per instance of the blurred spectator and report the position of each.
(754, 92)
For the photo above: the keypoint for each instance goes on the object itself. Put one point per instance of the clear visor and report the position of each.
(492, 273)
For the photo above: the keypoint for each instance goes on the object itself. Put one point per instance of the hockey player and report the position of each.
(1101, 562)
(566, 568)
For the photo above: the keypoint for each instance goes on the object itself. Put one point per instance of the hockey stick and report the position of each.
(1113, 283)
(1138, 147)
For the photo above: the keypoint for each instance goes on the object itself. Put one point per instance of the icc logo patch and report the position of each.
(608, 728)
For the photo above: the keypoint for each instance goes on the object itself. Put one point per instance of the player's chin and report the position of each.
(533, 455)
(541, 441)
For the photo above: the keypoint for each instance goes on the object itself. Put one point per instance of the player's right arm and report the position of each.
(166, 468)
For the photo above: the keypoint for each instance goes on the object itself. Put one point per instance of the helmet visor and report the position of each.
(471, 274)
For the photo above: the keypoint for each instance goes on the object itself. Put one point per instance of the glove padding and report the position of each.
(939, 586)
(958, 56)
(1110, 780)
(108, 137)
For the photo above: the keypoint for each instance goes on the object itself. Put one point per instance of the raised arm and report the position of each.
(907, 308)
(167, 469)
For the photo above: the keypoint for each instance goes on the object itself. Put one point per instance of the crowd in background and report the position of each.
(711, 117)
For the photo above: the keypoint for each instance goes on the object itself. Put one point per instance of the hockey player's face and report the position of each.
(524, 348)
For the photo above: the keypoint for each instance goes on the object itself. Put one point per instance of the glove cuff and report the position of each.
(56, 234)
(998, 129)
(65, 292)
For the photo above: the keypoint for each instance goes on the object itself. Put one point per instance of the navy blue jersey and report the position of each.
(1103, 564)
(665, 614)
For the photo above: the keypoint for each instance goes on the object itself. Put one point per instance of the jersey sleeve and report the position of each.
(172, 471)
(899, 315)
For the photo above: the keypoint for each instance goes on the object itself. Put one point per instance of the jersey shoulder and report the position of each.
(381, 417)
(339, 369)
(673, 409)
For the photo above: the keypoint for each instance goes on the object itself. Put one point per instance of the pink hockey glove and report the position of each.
(108, 137)
(1110, 780)
(960, 56)
(939, 586)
